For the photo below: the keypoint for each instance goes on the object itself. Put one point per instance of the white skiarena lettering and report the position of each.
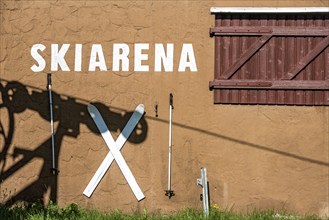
(57, 57)
(163, 58)
(97, 51)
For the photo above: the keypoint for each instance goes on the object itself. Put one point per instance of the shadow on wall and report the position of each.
(69, 113)
(246, 143)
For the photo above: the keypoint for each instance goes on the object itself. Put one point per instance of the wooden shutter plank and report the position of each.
(270, 85)
(307, 59)
(275, 31)
(246, 56)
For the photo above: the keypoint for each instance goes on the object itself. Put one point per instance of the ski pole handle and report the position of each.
(49, 79)
(170, 99)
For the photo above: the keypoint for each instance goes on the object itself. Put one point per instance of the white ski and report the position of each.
(114, 153)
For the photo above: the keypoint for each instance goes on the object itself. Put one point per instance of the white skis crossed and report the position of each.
(114, 154)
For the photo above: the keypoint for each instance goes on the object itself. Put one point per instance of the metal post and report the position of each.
(170, 192)
(53, 169)
(203, 182)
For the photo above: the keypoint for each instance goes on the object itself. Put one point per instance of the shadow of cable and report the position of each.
(245, 143)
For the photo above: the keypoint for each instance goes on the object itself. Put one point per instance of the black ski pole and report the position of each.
(53, 168)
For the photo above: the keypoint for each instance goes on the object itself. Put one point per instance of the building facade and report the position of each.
(118, 55)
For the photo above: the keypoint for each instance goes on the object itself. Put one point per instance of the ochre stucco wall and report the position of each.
(256, 156)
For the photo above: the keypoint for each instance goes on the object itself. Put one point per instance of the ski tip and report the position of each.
(92, 110)
(140, 108)
(91, 107)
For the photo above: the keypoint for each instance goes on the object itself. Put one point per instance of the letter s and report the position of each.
(41, 62)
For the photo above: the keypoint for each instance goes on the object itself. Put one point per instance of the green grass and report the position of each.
(73, 211)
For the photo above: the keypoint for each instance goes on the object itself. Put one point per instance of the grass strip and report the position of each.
(37, 211)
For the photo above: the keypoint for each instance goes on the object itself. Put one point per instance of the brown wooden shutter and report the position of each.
(271, 58)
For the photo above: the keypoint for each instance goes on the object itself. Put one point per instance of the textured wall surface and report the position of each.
(256, 156)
